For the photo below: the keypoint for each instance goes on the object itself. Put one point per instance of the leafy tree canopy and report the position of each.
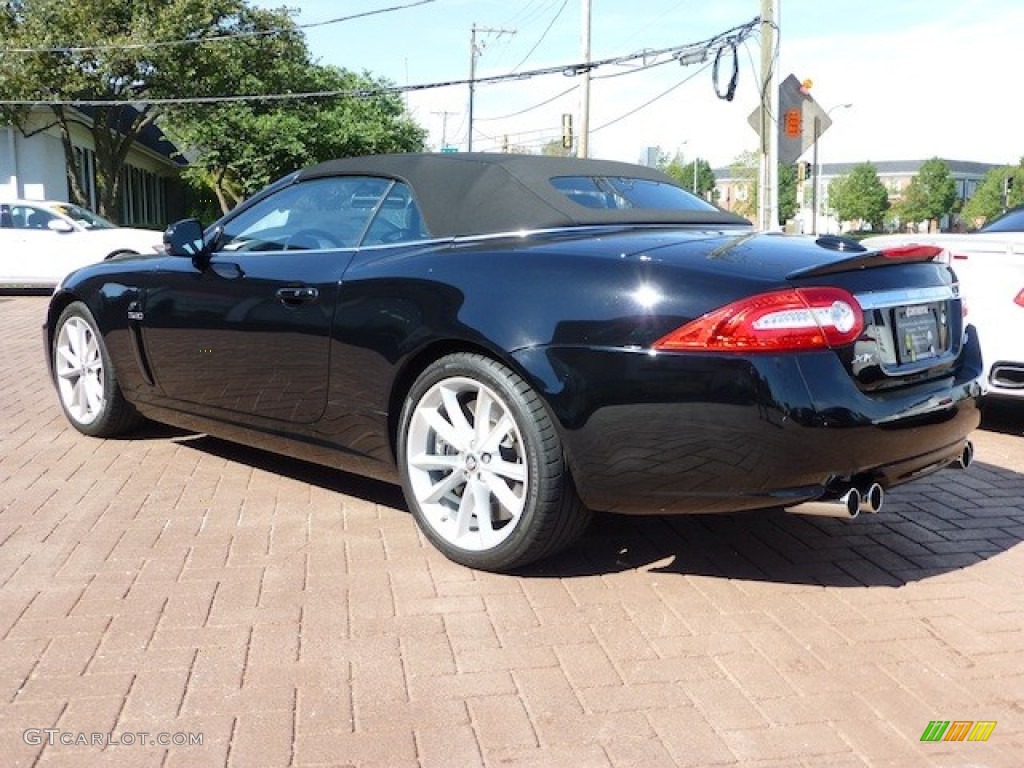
(745, 171)
(238, 148)
(860, 196)
(683, 173)
(787, 193)
(930, 195)
(118, 51)
(555, 148)
(987, 201)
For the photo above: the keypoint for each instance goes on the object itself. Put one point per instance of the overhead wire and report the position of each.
(729, 37)
(648, 103)
(544, 103)
(213, 38)
(544, 34)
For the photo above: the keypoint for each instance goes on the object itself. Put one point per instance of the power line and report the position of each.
(530, 109)
(214, 38)
(727, 39)
(648, 103)
(544, 34)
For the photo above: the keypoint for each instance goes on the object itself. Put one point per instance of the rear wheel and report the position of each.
(482, 466)
(86, 382)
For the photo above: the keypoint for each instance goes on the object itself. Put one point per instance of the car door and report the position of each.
(33, 252)
(10, 250)
(249, 333)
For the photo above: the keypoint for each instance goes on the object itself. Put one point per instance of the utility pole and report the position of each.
(444, 125)
(769, 197)
(584, 145)
(474, 52)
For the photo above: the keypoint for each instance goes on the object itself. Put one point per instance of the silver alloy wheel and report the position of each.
(78, 364)
(466, 462)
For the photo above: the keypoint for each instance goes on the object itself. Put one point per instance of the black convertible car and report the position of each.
(519, 340)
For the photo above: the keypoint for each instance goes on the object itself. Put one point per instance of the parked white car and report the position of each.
(41, 241)
(990, 266)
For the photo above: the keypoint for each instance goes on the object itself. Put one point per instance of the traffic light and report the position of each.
(803, 171)
(567, 130)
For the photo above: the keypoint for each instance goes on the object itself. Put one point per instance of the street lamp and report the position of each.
(817, 166)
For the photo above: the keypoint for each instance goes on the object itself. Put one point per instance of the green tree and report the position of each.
(787, 193)
(930, 195)
(115, 50)
(860, 196)
(683, 174)
(555, 148)
(744, 172)
(236, 149)
(987, 201)
(122, 51)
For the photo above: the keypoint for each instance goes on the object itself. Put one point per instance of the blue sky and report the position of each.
(924, 77)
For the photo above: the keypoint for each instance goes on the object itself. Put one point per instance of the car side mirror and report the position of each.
(185, 238)
(59, 225)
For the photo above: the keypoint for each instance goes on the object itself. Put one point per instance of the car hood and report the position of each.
(141, 240)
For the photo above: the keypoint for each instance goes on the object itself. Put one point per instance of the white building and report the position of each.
(32, 167)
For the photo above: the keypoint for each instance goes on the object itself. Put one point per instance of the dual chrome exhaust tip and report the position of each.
(850, 503)
(851, 499)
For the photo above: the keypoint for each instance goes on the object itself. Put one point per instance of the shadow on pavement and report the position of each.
(938, 524)
(330, 479)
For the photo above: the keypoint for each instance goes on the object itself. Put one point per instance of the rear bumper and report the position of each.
(683, 433)
(1004, 380)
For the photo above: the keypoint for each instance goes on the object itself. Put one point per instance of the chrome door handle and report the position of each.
(297, 295)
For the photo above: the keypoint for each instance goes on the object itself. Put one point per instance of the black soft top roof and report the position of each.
(481, 193)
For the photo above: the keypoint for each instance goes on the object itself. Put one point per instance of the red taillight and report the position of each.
(1019, 299)
(912, 252)
(800, 318)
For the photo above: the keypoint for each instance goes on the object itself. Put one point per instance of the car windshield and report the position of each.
(83, 216)
(1011, 221)
(621, 193)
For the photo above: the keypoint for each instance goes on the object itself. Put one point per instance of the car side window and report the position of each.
(30, 217)
(318, 214)
(398, 219)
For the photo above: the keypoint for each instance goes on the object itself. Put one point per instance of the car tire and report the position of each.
(474, 436)
(87, 384)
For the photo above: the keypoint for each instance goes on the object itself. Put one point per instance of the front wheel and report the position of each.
(483, 468)
(85, 378)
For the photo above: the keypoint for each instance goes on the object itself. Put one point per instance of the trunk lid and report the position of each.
(913, 312)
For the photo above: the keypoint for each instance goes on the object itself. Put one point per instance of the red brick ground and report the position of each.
(293, 616)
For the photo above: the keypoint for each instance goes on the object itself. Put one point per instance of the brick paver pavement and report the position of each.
(291, 615)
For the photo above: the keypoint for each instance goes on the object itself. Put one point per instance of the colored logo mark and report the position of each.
(958, 730)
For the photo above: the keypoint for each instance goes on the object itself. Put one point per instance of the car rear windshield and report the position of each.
(1012, 221)
(624, 193)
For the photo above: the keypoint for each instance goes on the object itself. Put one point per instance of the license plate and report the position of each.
(918, 335)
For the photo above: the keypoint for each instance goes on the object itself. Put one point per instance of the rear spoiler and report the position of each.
(863, 258)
